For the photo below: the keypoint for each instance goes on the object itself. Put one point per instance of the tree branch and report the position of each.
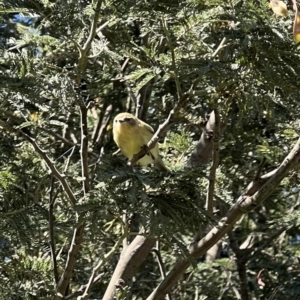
(219, 47)
(82, 288)
(104, 123)
(47, 160)
(175, 75)
(161, 265)
(52, 199)
(261, 246)
(84, 150)
(83, 52)
(78, 232)
(70, 265)
(215, 164)
(130, 260)
(245, 203)
(204, 149)
(241, 261)
(102, 262)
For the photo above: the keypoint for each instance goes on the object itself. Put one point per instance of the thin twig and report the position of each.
(101, 263)
(241, 261)
(64, 129)
(13, 212)
(124, 219)
(138, 106)
(77, 146)
(93, 29)
(80, 50)
(198, 92)
(84, 150)
(80, 291)
(104, 25)
(132, 96)
(70, 264)
(128, 104)
(145, 98)
(51, 132)
(161, 265)
(68, 160)
(260, 169)
(104, 123)
(176, 77)
(95, 165)
(58, 136)
(219, 47)
(97, 126)
(83, 51)
(125, 64)
(48, 161)
(267, 242)
(52, 199)
(66, 141)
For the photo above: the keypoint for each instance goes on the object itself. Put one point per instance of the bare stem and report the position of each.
(52, 199)
(175, 74)
(161, 265)
(83, 52)
(219, 47)
(84, 150)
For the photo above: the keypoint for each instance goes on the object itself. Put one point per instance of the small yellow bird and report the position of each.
(131, 134)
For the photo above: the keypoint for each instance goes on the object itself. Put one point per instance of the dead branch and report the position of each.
(215, 164)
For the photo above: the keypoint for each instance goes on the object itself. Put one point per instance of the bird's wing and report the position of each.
(149, 127)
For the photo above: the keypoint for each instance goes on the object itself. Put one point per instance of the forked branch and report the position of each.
(253, 196)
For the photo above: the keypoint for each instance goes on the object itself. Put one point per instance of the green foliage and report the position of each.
(241, 60)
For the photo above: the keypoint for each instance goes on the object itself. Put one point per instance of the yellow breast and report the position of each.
(131, 139)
